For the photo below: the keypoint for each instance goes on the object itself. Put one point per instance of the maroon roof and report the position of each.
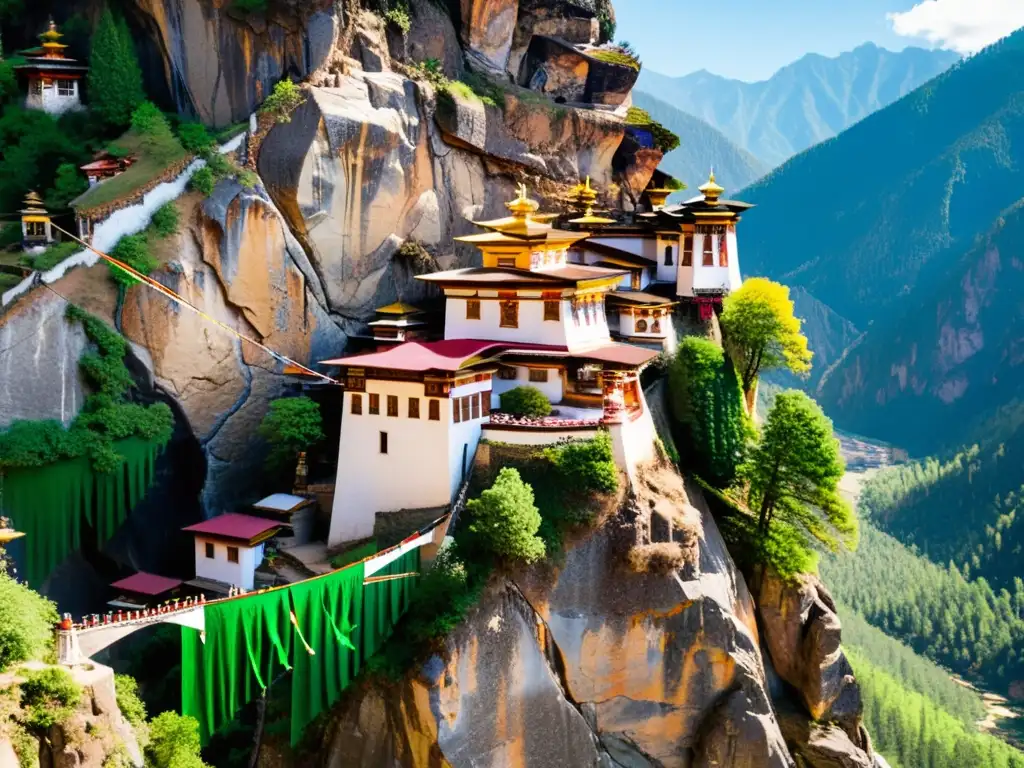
(623, 354)
(147, 584)
(567, 275)
(234, 526)
(447, 355)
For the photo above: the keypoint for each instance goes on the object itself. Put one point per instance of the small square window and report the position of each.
(414, 407)
(552, 309)
(375, 404)
(510, 313)
(434, 410)
(538, 374)
(472, 309)
(232, 554)
(65, 88)
(357, 404)
(383, 442)
(392, 405)
(475, 403)
(507, 373)
(209, 550)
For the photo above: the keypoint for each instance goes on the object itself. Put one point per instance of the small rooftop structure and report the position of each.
(229, 548)
(296, 512)
(52, 77)
(397, 322)
(36, 230)
(143, 583)
(236, 527)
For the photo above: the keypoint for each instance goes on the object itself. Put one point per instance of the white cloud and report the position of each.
(965, 26)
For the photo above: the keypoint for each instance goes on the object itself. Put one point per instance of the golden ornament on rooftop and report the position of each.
(523, 205)
(711, 189)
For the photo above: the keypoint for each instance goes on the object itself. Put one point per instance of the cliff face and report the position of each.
(589, 664)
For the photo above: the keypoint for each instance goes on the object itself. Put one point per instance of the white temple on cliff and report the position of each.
(576, 314)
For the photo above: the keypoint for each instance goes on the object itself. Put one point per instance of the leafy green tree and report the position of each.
(68, 184)
(8, 81)
(126, 689)
(291, 425)
(794, 474)
(165, 220)
(586, 466)
(115, 79)
(133, 250)
(148, 120)
(707, 404)
(285, 99)
(33, 145)
(506, 520)
(173, 742)
(761, 332)
(26, 622)
(48, 696)
(525, 401)
(195, 138)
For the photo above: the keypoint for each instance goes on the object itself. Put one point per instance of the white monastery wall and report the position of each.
(684, 282)
(464, 436)
(735, 278)
(638, 246)
(533, 328)
(583, 335)
(627, 326)
(413, 474)
(240, 574)
(496, 434)
(51, 101)
(667, 273)
(552, 388)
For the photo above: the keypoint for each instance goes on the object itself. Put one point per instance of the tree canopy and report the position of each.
(761, 332)
(291, 425)
(115, 79)
(794, 473)
(285, 99)
(26, 622)
(506, 519)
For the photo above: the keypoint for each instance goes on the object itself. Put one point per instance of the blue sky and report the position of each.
(751, 39)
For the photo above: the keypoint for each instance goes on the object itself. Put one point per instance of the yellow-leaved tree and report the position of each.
(761, 332)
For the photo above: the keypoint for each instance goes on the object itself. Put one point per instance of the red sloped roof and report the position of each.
(447, 355)
(234, 526)
(147, 584)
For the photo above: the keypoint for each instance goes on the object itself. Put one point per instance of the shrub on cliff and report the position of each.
(173, 742)
(291, 425)
(195, 138)
(586, 465)
(202, 181)
(285, 99)
(132, 250)
(115, 79)
(506, 520)
(48, 697)
(26, 623)
(525, 401)
(707, 405)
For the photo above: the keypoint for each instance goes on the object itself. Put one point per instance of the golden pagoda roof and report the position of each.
(34, 205)
(398, 308)
(524, 225)
(711, 189)
(51, 35)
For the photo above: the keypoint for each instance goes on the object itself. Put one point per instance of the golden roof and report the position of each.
(8, 535)
(398, 308)
(711, 189)
(33, 205)
(524, 224)
(51, 35)
(583, 196)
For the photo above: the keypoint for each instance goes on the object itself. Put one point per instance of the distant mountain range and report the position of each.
(804, 103)
(701, 148)
(910, 226)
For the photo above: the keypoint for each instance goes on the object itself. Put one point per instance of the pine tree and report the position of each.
(115, 79)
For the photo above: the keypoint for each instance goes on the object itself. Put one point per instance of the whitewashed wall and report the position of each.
(240, 574)
(498, 434)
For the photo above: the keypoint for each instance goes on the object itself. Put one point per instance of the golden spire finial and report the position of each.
(522, 206)
(711, 190)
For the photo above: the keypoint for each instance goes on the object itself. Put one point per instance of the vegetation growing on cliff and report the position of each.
(285, 99)
(26, 623)
(761, 332)
(664, 139)
(707, 404)
(115, 79)
(292, 424)
(505, 519)
(525, 401)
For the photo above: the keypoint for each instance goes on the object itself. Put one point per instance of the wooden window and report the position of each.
(475, 403)
(392, 405)
(709, 252)
(723, 250)
(656, 326)
(232, 554)
(374, 404)
(507, 373)
(687, 250)
(355, 383)
(485, 403)
(209, 550)
(472, 309)
(507, 261)
(456, 411)
(465, 407)
(383, 442)
(668, 255)
(434, 410)
(37, 87)
(435, 388)
(509, 313)
(414, 407)
(641, 326)
(65, 88)
(634, 281)
(552, 309)
(357, 404)
(538, 374)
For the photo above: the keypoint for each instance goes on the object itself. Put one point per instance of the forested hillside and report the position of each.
(806, 102)
(702, 148)
(961, 623)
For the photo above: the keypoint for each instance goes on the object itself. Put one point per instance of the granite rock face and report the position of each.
(486, 29)
(583, 664)
(573, 22)
(220, 65)
(551, 65)
(802, 634)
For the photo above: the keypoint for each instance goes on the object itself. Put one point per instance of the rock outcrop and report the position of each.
(583, 664)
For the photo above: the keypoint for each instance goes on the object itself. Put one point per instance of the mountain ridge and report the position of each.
(803, 103)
